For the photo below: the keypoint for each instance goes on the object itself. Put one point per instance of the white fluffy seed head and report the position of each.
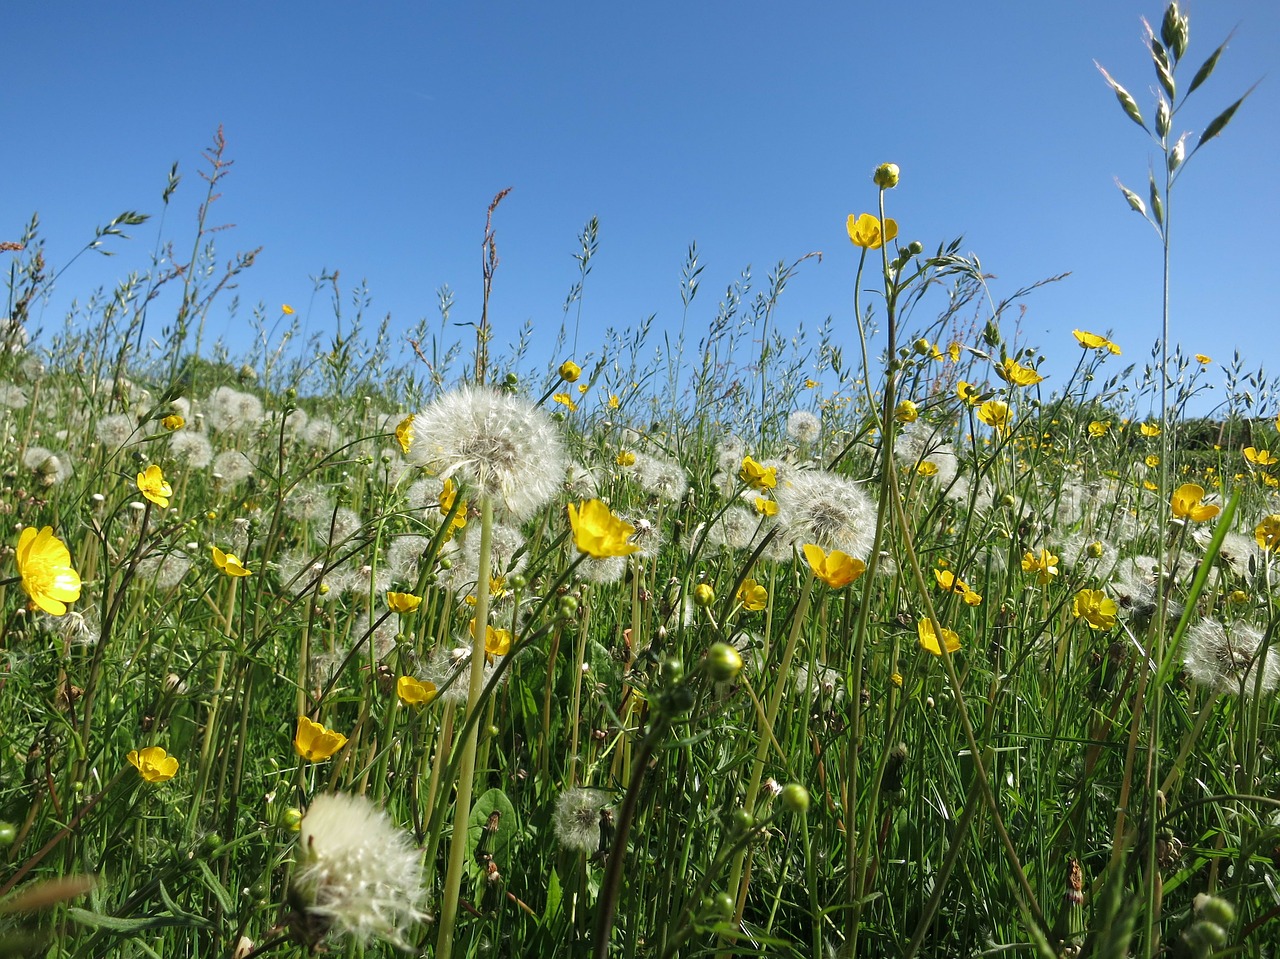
(818, 507)
(356, 870)
(1229, 662)
(501, 446)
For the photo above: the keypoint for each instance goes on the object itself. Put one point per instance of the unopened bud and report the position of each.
(795, 798)
(886, 176)
(703, 595)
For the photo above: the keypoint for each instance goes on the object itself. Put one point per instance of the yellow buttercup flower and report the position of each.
(765, 507)
(1093, 606)
(286, 309)
(153, 764)
(598, 532)
(448, 496)
(1260, 457)
(497, 642)
(1153, 460)
(757, 476)
(927, 468)
(1186, 503)
(1203, 360)
(864, 231)
(229, 563)
(1267, 533)
(44, 563)
(614, 402)
(570, 371)
(1011, 371)
(995, 414)
(752, 595)
(1045, 566)
(836, 569)
(968, 392)
(1149, 429)
(906, 412)
(950, 582)
(173, 422)
(1092, 341)
(953, 351)
(564, 399)
(404, 433)
(886, 176)
(1099, 428)
(315, 743)
(403, 602)
(415, 692)
(929, 637)
(152, 485)
(625, 458)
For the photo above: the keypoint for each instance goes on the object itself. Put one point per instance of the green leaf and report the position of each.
(498, 844)
(219, 892)
(121, 924)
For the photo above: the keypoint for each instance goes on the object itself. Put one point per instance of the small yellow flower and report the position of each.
(864, 231)
(1045, 566)
(1267, 533)
(906, 412)
(173, 422)
(154, 765)
(152, 485)
(570, 371)
(286, 309)
(44, 563)
(950, 582)
(598, 532)
(757, 476)
(564, 399)
(404, 433)
(927, 468)
(614, 402)
(1092, 341)
(229, 563)
(314, 743)
(896, 679)
(448, 496)
(414, 692)
(497, 642)
(1093, 606)
(886, 176)
(929, 638)
(1186, 504)
(1260, 457)
(1099, 428)
(1153, 460)
(969, 393)
(971, 598)
(752, 595)
(625, 458)
(582, 388)
(953, 351)
(995, 414)
(836, 569)
(765, 507)
(1203, 360)
(811, 384)
(402, 602)
(1149, 429)
(1011, 371)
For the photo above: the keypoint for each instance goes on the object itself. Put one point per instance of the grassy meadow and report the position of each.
(741, 644)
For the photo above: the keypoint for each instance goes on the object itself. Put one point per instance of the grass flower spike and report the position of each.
(44, 563)
(229, 563)
(154, 765)
(152, 485)
(315, 743)
(356, 872)
(835, 568)
(864, 231)
(598, 532)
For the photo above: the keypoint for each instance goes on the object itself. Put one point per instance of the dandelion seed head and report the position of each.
(356, 870)
(231, 468)
(818, 507)
(403, 556)
(114, 430)
(580, 483)
(229, 410)
(309, 501)
(48, 468)
(1230, 661)
(191, 447)
(803, 426)
(576, 820)
(917, 444)
(661, 477)
(502, 446)
(321, 434)
(13, 396)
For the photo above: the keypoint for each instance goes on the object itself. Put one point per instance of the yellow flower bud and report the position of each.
(886, 176)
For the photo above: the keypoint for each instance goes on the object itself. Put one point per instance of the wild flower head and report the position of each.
(356, 873)
(44, 564)
(497, 444)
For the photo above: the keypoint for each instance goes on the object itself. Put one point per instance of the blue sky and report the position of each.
(369, 138)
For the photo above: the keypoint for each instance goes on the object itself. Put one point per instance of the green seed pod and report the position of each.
(795, 798)
(1215, 909)
(8, 833)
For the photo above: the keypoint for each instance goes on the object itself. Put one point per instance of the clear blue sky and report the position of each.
(369, 138)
